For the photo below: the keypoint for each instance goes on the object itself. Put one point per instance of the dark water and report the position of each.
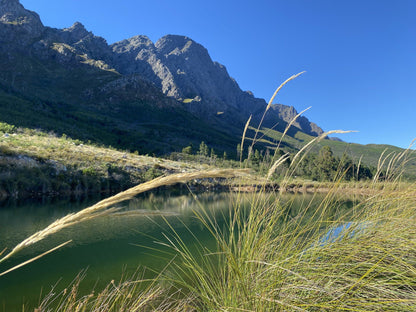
(107, 247)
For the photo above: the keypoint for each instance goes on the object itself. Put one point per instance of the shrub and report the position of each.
(6, 128)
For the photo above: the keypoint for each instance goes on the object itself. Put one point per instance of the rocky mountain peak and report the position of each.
(288, 113)
(10, 3)
(177, 65)
(77, 28)
(75, 33)
(178, 45)
(133, 44)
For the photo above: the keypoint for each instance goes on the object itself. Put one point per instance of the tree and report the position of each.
(347, 167)
(326, 164)
(203, 149)
(187, 150)
(255, 157)
(212, 154)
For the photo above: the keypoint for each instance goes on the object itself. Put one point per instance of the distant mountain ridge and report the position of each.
(183, 69)
(75, 67)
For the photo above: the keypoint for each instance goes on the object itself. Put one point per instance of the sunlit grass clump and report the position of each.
(271, 262)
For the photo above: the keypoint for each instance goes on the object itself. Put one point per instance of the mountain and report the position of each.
(75, 69)
(63, 81)
(134, 94)
(183, 69)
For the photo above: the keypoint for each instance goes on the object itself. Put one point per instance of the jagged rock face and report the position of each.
(22, 30)
(190, 66)
(181, 67)
(86, 43)
(12, 12)
(139, 55)
(75, 33)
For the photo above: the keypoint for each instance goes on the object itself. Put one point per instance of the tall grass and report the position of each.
(267, 259)
(134, 294)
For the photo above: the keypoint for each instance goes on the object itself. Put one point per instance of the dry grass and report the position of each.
(268, 107)
(129, 295)
(69, 152)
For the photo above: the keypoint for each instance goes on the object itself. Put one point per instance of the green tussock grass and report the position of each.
(269, 261)
(269, 258)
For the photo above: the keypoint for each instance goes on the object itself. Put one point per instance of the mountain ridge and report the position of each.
(75, 66)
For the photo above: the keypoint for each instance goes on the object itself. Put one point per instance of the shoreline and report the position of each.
(211, 185)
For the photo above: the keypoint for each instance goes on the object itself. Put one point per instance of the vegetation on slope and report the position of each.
(35, 163)
(365, 155)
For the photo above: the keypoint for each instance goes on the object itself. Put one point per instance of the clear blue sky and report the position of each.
(360, 55)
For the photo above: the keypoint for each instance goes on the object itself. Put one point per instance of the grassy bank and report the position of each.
(34, 163)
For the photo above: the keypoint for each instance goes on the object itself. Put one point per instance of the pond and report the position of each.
(109, 246)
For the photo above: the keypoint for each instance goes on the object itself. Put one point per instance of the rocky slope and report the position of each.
(183, 69)
(140, 86)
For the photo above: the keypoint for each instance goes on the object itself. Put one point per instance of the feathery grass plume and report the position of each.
(393, 164)
(101, 208)
(396, 166)
(318, 139)
(271, 102)
(133, 294)
(281, 86)
(358, 166)
(380, 164)
(290, 124)
(277, 163)
(243, 138)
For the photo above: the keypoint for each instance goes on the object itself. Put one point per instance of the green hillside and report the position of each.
(370, 154)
